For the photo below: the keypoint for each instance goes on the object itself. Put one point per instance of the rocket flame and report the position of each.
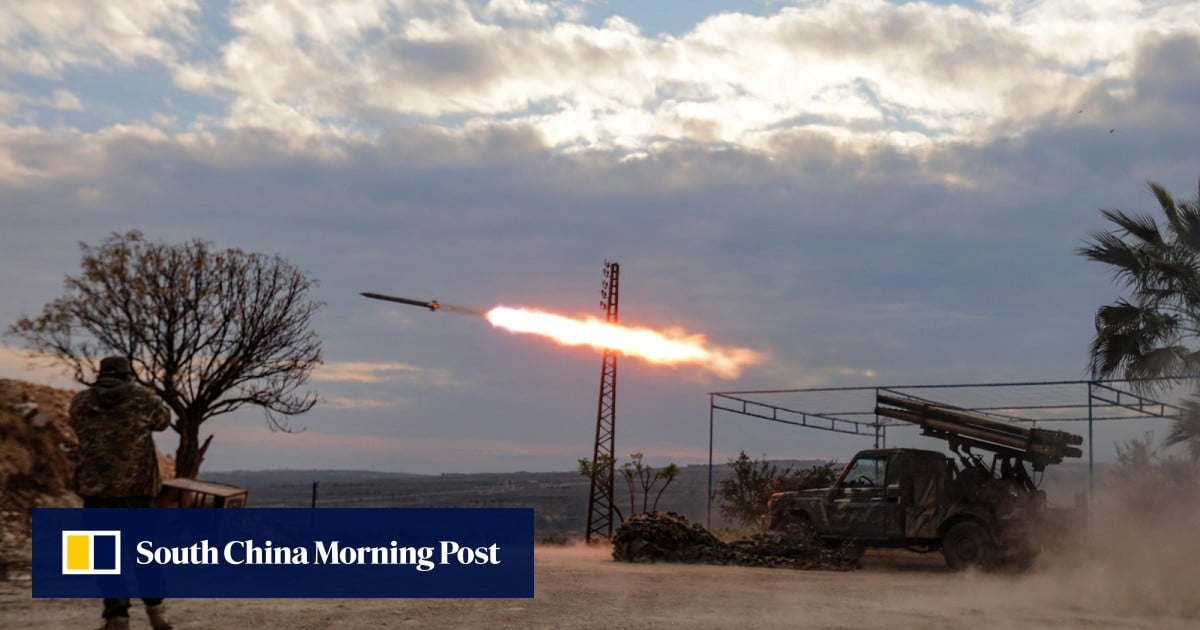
(665, 348)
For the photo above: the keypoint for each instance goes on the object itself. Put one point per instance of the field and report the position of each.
(578, 587)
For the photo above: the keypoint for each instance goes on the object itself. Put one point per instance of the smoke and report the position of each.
(462, 310)
(1139, 554)
(1132, 564)
(668, 347)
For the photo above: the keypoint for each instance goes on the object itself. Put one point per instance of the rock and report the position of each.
(42, 420)
(37, 468)
(669, 537)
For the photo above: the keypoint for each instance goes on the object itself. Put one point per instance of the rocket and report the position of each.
(431, 305)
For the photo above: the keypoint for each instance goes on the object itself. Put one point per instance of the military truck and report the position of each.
(975, 512)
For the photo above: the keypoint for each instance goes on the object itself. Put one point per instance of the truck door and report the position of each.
(859, 506)
(925, 509)
(896, 495)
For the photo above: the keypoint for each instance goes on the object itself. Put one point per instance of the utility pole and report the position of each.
(600, 498)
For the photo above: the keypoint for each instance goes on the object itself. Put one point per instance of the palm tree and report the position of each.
(1154, 333)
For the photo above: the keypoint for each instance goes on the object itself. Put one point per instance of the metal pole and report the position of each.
(877, 425)
(708, 522)
(314, 495)
(1091, 448)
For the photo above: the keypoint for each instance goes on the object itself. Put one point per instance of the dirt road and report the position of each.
(584, 588)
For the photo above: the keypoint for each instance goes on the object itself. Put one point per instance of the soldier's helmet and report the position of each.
(115, 366)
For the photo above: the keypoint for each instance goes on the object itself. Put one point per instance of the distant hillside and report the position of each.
(246, 478)
(559, 499)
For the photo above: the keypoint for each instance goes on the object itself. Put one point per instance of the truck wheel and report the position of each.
(966, 545)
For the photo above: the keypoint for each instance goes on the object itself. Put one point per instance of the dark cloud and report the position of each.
(1167, 71)
(439, 64)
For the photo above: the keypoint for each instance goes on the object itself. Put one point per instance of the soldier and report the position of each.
(118, 464)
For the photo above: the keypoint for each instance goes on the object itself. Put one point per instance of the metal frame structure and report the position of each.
(851, 410)
(600, 497)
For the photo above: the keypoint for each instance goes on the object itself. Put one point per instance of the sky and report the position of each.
(863, 192)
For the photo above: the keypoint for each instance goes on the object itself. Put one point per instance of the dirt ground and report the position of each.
(583, 588)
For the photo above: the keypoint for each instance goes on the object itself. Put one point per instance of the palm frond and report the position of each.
(1145, 333)
(1135, 341)
(1186, 428)
(1141, 226)
(1126, 262)
(1157, 362)
(1166, 202)
(1188, 230)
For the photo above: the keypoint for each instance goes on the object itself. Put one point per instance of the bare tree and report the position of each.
(637, 474)
(209, 330)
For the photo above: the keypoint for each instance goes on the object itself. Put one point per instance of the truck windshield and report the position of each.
(866, 472)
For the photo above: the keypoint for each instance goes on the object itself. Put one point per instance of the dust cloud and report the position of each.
(1138, 555)
(1126, 568)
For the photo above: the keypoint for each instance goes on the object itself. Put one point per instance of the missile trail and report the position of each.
(667, 347)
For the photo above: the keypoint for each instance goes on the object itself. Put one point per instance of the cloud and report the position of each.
(315, 441)
(67, 101)
(364, 372)
(359, 404)
(332, 76)
(421, 454)
(871, 71)
(1167, 70)
(46, 39)
(518, 10)
(19, 365)
(861, 190)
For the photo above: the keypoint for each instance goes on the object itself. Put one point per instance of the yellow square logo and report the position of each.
(91, 552)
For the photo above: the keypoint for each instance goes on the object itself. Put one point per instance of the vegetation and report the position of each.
(603, 464)
(208, 330)
(742, 496)
(1154, 332)
(639, 477)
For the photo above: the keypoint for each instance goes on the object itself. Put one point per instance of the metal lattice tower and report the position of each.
(600, 498)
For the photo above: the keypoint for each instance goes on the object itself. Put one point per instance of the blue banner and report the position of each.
(255, 552)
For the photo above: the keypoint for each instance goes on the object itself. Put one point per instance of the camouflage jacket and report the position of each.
(114, 420)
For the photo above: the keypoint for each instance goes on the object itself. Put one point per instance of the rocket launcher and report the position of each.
(974, 430)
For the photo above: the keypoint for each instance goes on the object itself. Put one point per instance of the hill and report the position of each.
(559, 499)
